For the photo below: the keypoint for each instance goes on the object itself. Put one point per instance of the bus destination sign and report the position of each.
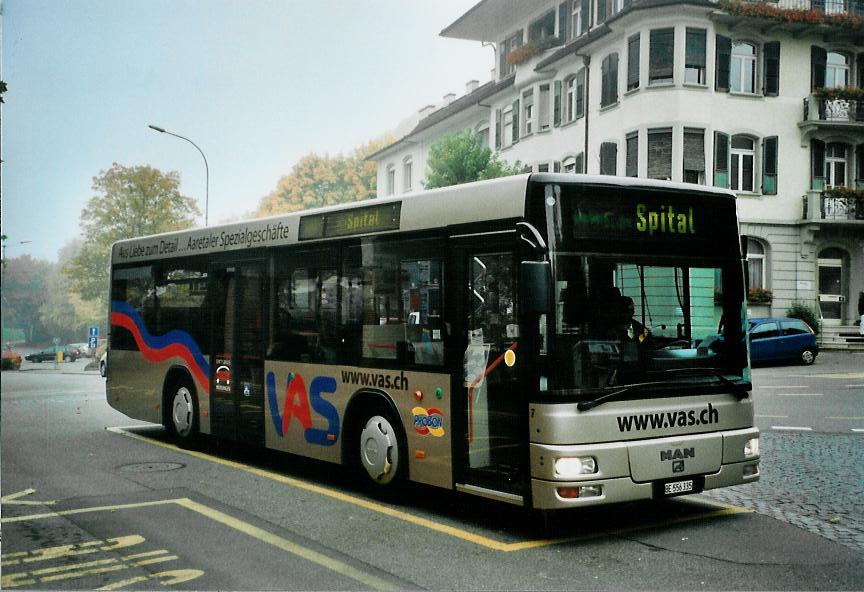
(377, 218)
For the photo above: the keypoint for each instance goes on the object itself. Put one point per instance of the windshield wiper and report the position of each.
(591, 404)
(739, 389)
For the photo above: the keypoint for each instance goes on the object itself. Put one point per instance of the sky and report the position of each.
(256, 84)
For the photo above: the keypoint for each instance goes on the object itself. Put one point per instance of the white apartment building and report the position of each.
(744, 95)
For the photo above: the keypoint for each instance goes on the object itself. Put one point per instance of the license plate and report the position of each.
(678, 487)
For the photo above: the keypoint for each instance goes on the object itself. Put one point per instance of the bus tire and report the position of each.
(382, 449)
(182, 417)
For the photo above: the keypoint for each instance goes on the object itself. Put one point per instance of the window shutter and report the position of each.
(859, 166)
(860, 61)
(579, 165)
(633, 62)
(817, 154)
(723, 59)
(769, 166)
(660, 154)
(694, 50)
(564, 10)
(608, 158)
(601, 11)
(515, 121)
(497, 129)
(772, 69)
(694, 149)
(631, 165)
(721, 160)
(556, 166)
(580, 93)
(661, 58)
(818, 60)
(609, 86)
(585, 12)
(556, 108)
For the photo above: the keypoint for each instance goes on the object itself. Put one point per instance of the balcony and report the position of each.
(841, 205)
(843, 18)
(835, 110)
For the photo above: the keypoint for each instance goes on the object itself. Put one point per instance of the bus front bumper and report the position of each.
(557, 495)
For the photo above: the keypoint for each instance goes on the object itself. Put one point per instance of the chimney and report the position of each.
(448, 98)
(471, 86)
(426, 111)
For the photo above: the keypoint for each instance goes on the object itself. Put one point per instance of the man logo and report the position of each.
(677, 454)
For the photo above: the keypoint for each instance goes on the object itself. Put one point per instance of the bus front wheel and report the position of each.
(183, 422)
(382, 453)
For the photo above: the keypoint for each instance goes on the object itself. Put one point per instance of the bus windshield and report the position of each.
(625, 321)
(648, 293)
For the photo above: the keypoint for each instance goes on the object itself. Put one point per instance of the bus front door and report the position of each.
(239, 321)
(492, 455)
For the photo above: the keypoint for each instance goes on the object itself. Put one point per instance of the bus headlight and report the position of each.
(569, 467)
(751, 448)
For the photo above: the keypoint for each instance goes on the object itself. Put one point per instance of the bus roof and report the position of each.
(494, 199)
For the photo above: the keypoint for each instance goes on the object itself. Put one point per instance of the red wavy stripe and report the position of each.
(174, 350)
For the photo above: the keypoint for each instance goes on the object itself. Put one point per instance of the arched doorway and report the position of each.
(832, 285)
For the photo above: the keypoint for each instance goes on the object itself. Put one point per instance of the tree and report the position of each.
(130, 201)
(462, 158)
(63, 312)
(24, 285)
(318, 181)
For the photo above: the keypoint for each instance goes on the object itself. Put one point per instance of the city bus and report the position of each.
(546, 340)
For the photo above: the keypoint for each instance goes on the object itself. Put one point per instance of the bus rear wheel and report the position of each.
(382, 453)
(183, 420)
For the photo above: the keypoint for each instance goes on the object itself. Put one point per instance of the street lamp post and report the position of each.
(206, 167)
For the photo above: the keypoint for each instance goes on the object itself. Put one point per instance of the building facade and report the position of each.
(764, 98)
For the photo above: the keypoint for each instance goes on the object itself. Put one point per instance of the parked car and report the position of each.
(103, 365)
(782, 339)
(84, 348)
(49, 354)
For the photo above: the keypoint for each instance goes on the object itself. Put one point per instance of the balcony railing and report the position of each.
(842, 208)
(833, 110)
(836, 204)
(826, 7)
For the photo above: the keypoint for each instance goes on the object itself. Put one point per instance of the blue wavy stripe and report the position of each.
(175, 336)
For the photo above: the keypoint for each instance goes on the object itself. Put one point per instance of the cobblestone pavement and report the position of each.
(814, 481)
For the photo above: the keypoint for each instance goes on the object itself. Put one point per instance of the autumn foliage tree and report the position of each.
(318, 181)
(129, 202)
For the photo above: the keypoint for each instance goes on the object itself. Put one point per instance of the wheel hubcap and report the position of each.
(379, 451)
(182, 412)
(807, 356)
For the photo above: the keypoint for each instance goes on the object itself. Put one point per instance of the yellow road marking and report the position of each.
(224, 519)
(720, 509)
(167, 578)
(286, 545)
(12, 498)
(49, 553)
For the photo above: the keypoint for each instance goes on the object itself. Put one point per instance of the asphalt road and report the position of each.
(89, 502)
(825, 397)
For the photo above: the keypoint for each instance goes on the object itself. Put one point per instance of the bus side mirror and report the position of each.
(535, 278)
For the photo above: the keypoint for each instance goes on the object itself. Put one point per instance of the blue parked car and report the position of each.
(782, 339)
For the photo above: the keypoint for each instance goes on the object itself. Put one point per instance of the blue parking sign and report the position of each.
(93, 342)
(94, 332)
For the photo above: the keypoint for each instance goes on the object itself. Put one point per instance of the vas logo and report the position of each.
(677, 457)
